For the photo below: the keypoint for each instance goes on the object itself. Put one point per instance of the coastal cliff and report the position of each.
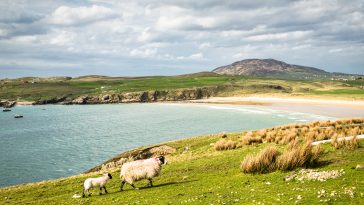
(135, 97)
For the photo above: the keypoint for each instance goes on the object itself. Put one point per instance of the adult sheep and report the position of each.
(141, 169)
(96, 182)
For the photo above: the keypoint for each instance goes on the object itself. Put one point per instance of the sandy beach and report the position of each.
(327, 107)
(332, 108)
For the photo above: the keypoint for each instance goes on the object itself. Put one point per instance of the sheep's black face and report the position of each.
(109, 176)
(162, 159)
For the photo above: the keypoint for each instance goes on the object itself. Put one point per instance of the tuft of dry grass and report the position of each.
(248, 140)
(352, 144)
(295, 156)
(225, 144)
(264, 162)
(316, 153)
(318, 130)
(293, 144)
(270, 159)
(340, 142)
(298, 156)
(335, 142)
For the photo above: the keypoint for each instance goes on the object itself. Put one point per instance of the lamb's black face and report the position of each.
(109, 176)
(162, 159)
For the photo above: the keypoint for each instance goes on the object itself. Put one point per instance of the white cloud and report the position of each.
(26, 39)
(143, 53)
(195, 56)
(205, 45)
(62, 38)
(303, 46)
(3, 32)
(145, 36)
(280, 36)
(336, 50)
(239, 55)
(65, 15)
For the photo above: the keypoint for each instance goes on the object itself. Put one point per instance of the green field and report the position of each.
(201, 175)
(47, 88)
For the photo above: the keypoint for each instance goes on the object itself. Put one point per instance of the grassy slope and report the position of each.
(203, 176)
(235, 85)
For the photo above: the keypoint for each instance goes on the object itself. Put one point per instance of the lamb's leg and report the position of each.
(100, 190)
(105, 190)
(122, 185)
(83, 193)
(89, 193)
(150, 182)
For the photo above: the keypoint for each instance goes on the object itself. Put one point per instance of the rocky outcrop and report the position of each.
(7, 104)
(50, 101)
(138, 97)
(135, 97)
(135, 154)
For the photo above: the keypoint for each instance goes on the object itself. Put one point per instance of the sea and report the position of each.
(53, 141)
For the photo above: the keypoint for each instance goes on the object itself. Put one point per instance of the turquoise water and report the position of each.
(54, 141)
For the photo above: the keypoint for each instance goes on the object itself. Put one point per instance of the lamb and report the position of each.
(96, 182)
(141, 169)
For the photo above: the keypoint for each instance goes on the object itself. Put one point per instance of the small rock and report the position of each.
(76, 196)
(360, 167)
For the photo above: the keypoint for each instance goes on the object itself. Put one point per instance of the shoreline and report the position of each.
(327, 107)
(267, 100)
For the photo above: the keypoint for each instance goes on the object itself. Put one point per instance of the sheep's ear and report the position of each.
(109, 176)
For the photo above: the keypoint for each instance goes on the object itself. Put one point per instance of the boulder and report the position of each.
(80, 100)
(7, 104)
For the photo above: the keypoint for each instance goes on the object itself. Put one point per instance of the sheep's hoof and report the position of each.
(100, 193)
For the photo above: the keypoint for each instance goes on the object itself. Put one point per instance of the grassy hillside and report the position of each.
(30, 89)
(198, 174)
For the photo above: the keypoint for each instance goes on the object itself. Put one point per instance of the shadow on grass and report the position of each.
(160, 185)
(321, 163)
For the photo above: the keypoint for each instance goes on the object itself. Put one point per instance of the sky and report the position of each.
(165, 37)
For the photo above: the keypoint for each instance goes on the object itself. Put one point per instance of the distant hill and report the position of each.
(270, 67)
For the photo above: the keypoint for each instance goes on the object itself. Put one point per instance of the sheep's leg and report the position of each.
(105, 190)
(100, 190)
(122, 185)
(89, 193)
(83, 193)
(136, 188)
(150, 182)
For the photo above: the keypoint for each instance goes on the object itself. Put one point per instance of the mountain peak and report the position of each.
(267, 67)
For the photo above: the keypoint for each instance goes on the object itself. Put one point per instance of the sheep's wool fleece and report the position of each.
(140, 169)
(94, 182)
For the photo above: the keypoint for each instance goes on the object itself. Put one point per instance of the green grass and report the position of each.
(204, 176)
(18, 89)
